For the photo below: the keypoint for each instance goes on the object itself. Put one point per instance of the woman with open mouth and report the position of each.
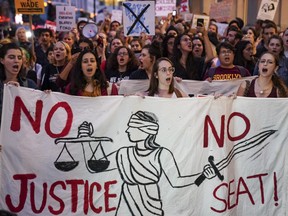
(276, 46)
(162, 81)
(121, 64)
(52, 78)
(86, 78)
(268, 83)
(11, 72)
(149, 54)
(189, 66)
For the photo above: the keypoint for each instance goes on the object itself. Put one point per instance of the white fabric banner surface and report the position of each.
(65, 155)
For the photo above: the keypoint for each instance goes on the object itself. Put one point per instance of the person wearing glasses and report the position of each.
(227, 70)
(162, 82)
(268, 83)
(121, 64)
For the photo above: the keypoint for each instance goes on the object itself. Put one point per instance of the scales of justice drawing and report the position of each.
(90, 145)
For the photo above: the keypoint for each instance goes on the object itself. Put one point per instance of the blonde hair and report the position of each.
(68, 51)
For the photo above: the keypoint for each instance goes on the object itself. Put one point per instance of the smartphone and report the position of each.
(174, 13)
(200, 22)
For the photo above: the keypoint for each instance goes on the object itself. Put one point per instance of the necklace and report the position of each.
(262, 91)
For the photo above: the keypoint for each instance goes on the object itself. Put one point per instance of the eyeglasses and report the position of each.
(164, 70)
(122, 54)
(264, 61)
(225, 52)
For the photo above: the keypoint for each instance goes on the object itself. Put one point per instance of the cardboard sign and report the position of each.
(138, 17)
(267, 9)
(203, 18)
(65, 18)
(29, 6)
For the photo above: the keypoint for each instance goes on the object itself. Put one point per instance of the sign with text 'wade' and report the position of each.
(124, 156)
(29, 6)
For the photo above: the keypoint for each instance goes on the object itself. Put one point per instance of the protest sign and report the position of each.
(138, 17)
(29, 7)
(117, 16)
(65, 18)
(65, 155)
(267, 9)
(164, 7)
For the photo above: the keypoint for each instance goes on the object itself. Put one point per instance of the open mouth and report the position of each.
(89, 70)
(57, 55)
(15, 67)
(264, 70)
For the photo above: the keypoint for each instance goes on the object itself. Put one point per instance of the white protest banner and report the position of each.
(191, 87)
(164, 7)
(200, 18)
(65, 18)
(65, 155)
(117, 16)
(267, 9)
(138, 17)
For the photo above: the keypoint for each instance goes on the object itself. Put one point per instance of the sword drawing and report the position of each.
(238, 148)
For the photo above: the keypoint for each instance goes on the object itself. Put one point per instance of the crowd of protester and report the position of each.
(69, 62)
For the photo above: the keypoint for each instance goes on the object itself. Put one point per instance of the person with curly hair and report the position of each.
(121, 64)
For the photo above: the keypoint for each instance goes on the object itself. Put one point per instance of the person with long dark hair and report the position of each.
(244, 55)
(86, 78)
(149, 54)
(11, 72)
(121, 63)
(267, 84)
(167, 46)
(186, 64)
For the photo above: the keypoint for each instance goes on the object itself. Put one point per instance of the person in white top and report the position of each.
(162, 81)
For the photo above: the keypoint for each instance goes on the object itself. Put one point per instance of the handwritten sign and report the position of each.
(29, 6)
(139, 16)
(65, 18)
(267, 9)
(163, 7)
